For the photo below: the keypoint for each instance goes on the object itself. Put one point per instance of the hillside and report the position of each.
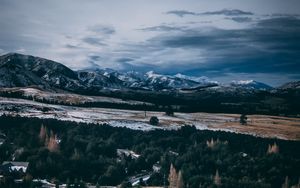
(183, 93)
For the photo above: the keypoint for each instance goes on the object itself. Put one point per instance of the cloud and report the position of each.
(202, 41)
(240, 19)
(97, 35)
(284, 15)
(290, 22)
(269, 46)
(181, 13)
(163, 28)
(124, 59)
(70, 46)
(102, 29)
(95, 57)
(2, 51)
(94, 41)
(225, 12)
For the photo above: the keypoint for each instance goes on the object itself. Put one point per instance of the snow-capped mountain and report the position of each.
(201, 79)
(17, 70)
(158, 81)
(99, 79)
(137, 80)
(250, 84)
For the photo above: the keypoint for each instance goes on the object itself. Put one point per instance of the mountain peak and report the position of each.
(250, 84)
(152, 74)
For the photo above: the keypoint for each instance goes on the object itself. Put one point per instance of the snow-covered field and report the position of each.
(68, 98)
(258, 125)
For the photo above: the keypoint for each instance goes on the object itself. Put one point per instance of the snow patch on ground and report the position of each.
(262, 126)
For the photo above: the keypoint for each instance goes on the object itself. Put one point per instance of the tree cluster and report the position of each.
(87, 153)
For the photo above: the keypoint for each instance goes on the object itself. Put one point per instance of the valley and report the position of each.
(257, 125)
(149, 94)
(108, 127)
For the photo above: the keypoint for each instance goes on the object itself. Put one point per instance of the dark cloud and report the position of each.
(289, 22)
(94, 41)
(95, 57)
(181, 13)
(240, 19)
(162, 28)
(93, 60)
(70, 46)
(122, 60)
(269, 46)
(225, 12)
(284, 15)
(98, 35)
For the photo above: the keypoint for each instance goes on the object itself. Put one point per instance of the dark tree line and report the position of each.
(87, 153)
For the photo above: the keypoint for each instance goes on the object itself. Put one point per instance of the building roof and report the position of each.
(13, 166)
(16, 163)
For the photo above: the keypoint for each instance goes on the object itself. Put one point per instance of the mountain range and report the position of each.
(182, 92)
(17, 70)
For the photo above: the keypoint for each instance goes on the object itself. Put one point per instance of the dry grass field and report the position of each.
(257, 125)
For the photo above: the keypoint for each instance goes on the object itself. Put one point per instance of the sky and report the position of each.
(223, 40)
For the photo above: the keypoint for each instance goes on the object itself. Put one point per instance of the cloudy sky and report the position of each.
(223, 40)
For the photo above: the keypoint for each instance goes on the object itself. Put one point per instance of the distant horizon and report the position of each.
(147, 71)
(224, 41)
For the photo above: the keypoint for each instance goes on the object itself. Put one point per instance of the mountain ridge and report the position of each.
(18, 70)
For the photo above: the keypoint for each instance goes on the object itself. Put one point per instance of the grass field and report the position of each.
(258, 125)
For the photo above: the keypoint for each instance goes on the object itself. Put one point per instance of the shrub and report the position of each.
(243, 119)
(154, 120)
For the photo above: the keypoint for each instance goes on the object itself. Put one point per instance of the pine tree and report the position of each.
(243, 119)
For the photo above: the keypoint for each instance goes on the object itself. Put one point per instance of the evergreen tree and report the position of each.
(154, 120)
(243, 119)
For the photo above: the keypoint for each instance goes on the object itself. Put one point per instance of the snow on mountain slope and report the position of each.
(99, 79)
(250, 84)
(178, 81)
(201, 79)
(17, 70)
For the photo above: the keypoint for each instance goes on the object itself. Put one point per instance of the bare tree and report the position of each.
(217, 179)
(173, 177)
(180, 183)
(43, 133)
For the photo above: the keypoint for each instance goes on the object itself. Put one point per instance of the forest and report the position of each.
(71, 152)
